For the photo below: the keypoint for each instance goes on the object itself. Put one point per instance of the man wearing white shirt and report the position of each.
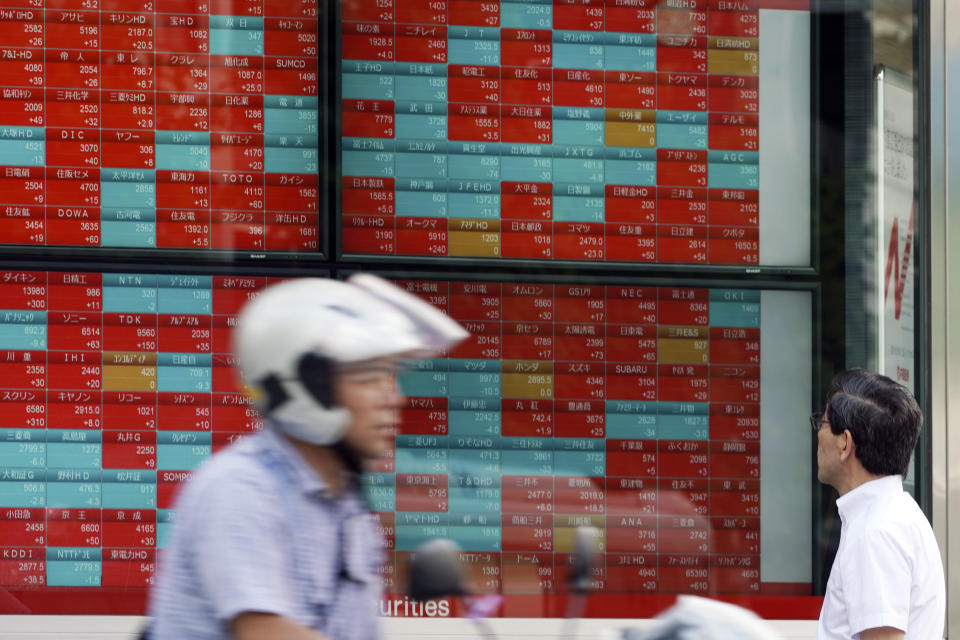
(887, 579)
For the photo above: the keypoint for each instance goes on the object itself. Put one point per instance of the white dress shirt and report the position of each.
(888, 571)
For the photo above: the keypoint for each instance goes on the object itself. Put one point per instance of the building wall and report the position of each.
(126, 627)
(944, 161)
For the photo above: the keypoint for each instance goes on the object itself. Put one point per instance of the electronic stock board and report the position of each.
(623, 131)
(626, 131)
(160, 124)
(639, 410)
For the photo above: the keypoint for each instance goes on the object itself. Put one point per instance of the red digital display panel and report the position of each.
(636, 410)
(167, 124)
(113, 387)
(553, 130)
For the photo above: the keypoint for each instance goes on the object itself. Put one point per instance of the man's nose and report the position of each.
(394, 394)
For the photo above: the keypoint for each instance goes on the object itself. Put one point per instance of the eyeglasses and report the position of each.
(817, 420)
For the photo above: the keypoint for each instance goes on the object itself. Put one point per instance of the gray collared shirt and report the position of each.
(257, 530)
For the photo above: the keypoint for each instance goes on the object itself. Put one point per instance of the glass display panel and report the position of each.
(635, 131)
(659, 137)
(114, 386)
(161, 124)
(669, 417)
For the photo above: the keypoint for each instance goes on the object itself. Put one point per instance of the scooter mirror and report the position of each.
(586, 547)
(435, 571)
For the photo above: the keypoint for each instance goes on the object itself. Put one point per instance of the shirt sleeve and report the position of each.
(876, 583)
(241, 553)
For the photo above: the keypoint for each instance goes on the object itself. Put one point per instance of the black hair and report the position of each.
(882, 416)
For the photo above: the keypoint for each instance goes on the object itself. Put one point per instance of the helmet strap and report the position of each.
(353, 462)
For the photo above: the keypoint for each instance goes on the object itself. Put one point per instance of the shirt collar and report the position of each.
(282, 451)
(855, 502)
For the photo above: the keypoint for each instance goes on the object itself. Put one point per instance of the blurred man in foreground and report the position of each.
(272, 538)
(887, 579)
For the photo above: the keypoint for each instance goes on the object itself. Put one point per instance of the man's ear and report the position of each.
(846, 445)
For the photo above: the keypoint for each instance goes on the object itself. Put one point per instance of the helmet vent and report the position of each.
(344, 310)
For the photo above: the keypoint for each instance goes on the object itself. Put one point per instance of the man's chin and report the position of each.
(374, 448)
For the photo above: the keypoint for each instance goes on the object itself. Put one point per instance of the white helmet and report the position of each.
(290, 338)
(696, 618)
